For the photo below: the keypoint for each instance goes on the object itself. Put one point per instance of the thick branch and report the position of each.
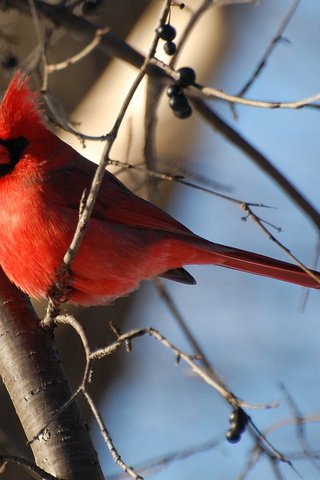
(31, 371)
(61, 16)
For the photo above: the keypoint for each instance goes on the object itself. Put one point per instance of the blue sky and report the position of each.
(250, 328)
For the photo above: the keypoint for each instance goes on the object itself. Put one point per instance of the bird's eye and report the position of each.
(11, 151)
(4, 156)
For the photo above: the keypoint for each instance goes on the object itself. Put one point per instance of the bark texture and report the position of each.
(32, 373)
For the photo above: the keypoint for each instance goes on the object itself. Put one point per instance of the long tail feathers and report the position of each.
(212, 253)
(269, 267)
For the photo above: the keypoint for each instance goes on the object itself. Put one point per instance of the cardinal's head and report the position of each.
(21, 123)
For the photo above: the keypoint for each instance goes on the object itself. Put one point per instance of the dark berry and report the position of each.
(237, 427)
(9, 61)
(170, 48)
(238, 420)
(234, 426)
(167, 32)
(187, 76)
(234, 416)
(179, 103)
(174, 90)
(89, 6)
(232, 436)
(184, 113)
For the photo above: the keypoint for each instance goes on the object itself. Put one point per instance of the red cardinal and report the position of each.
(42, 180)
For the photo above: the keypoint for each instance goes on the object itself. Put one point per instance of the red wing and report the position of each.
(115, 202)
(122, 206)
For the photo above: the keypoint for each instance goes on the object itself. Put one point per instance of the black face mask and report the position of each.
(15, 147)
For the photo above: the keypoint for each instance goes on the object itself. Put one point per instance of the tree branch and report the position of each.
(258, 158)
(61, 16)
(31, 371)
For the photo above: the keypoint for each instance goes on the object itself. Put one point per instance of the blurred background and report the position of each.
(253, 331)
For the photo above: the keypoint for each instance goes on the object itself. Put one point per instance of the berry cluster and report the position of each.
(177, 100)
(238, 424)
(168, 33)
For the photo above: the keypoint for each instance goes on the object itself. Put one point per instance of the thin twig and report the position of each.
(255, 455)
(258, 158)
(275, 467)
(258, 450)
(69, 320)
(314, 265)
(210, 92)
(108, 440)
(274, 42)
(195, 17)
(282, 247)
(246, 207)
(100, 32)
(153, 466)
(153, 98)
(198, 352)
(189, 359)
(62, 16)
(31, 468)
(268, 448)
(38, 30)
(53, 305)
(299, 423)
(41, 43)
(181, 179)
(216, 93)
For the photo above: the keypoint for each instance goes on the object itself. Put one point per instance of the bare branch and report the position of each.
(260, 222)
(198, 352)
(108, 440)
(31, 371)
(153, 466)
(210, 92)
(258, 158)
(53, 306)
(189, 359)
(100, 32)
(31, 468)
(278, 36)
